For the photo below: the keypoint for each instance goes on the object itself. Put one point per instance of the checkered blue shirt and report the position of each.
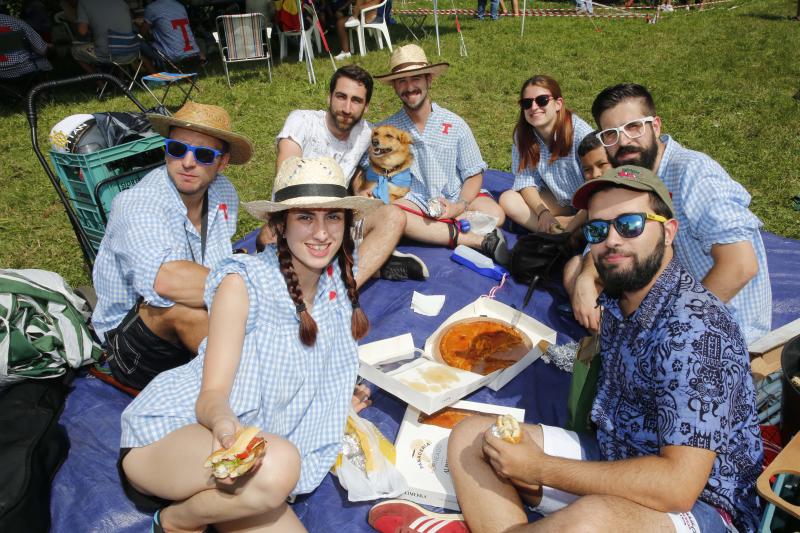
(445, 155)
(713, 209)
(147, 227)
(285, 388)
(563, 176)
(27, 60)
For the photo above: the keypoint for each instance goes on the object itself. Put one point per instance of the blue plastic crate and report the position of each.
(93, 180)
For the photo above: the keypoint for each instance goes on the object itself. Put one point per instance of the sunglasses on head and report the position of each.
(541, 101)
(202, 154)
(628, 225)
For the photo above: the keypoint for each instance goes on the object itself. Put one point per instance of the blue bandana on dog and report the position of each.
(401, 179)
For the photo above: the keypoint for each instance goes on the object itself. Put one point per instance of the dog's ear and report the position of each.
(404, 137)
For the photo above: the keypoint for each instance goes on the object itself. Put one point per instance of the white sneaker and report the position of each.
(352, 22)
(341, 56)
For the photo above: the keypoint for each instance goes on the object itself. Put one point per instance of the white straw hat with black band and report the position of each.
(311, 184)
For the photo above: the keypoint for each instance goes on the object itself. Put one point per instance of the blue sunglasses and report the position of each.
(628, 225)
(202, 154)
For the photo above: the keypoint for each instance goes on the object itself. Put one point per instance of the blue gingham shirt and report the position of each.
(148, 227)
(301, 393)
(563, 176)
(27, 60)
(713, 209)
(676, 372)
(445, 155)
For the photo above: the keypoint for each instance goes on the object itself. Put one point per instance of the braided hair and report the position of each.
(308, 327)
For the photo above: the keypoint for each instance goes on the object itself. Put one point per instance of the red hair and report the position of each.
(525, 135)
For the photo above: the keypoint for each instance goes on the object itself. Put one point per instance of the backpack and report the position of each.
(540, 254)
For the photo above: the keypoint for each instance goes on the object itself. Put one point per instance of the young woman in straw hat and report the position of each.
(544, 158)
(280, 355)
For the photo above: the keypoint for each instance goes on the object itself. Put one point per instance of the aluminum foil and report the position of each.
(562, 355)
(353, 452)
(435, 207)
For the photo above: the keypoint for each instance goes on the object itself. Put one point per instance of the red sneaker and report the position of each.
(401, 516)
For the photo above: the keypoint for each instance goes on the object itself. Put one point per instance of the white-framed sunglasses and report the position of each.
(633, 130)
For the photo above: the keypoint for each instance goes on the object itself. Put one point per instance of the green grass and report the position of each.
(723, 80)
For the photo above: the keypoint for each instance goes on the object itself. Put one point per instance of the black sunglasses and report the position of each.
(541, 101)
(202, 154)
(628, 225)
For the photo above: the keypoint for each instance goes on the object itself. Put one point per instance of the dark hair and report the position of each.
(359, 324)
(525, 136)
(588, 143)
(612, 96)
(355, 73)
(658, 205)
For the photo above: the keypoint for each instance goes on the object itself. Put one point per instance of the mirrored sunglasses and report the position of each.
(541, 101)
(628, 225)
(202, 154)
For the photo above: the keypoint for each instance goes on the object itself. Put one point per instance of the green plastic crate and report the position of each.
(93, 180)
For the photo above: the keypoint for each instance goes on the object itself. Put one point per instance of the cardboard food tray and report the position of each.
(429, 385)
(422, 455)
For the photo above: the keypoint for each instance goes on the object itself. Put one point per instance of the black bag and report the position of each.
(32, 448)
(540, 254)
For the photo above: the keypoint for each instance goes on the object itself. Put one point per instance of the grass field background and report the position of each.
(723, 79)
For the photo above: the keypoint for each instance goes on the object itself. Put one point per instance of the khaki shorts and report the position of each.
(84, 52)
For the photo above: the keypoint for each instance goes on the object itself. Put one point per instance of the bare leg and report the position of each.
(341, 31)
(172, 468)
(179, 323)
(602, 513)
(488, 206)
(520, 212)
(265, 237)
(488, 502)
(432, 231)
(361, 4)
(382, 231)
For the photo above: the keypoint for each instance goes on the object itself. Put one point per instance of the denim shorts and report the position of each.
(136, 355)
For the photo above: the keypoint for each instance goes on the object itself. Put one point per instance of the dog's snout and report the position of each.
(375, 142)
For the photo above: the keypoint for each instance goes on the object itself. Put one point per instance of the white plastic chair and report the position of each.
(243, 38)
(377, 26)
(312, 30)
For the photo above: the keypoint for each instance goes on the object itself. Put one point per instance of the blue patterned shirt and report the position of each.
(445, 155)
(713, 209)
(563, 176)
(676, 372)
(31, 58)
(148, 227)
(295, 391)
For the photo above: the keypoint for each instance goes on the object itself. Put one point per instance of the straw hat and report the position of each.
(208, 119)
(410, 60)
(313, 184)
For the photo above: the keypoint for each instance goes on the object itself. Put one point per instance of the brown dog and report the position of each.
(390, 158)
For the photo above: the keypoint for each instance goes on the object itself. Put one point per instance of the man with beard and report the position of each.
(448, 167)
(719, 243)
(342, 133)
(677, 446)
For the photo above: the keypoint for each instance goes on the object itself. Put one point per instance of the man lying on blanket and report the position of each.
(447, 163)
(677, 445)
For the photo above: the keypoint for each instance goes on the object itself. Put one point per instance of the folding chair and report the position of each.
(312, 30)
(166, 80)
(246, 38)
(123, 52)
(378, 27)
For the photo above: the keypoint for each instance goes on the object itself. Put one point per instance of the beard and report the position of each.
(423, 95)
(617, 281)
(647, 156)
(344, 123)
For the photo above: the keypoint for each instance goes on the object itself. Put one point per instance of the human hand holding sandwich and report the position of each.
(236, 453)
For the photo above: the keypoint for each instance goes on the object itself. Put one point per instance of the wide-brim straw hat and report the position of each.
(410, 60)
(311, 184)
(210, 120)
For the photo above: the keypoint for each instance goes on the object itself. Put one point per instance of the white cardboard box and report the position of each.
(422, 455)
(429, 385)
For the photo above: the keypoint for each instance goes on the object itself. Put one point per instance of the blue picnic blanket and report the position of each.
(87, 495)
